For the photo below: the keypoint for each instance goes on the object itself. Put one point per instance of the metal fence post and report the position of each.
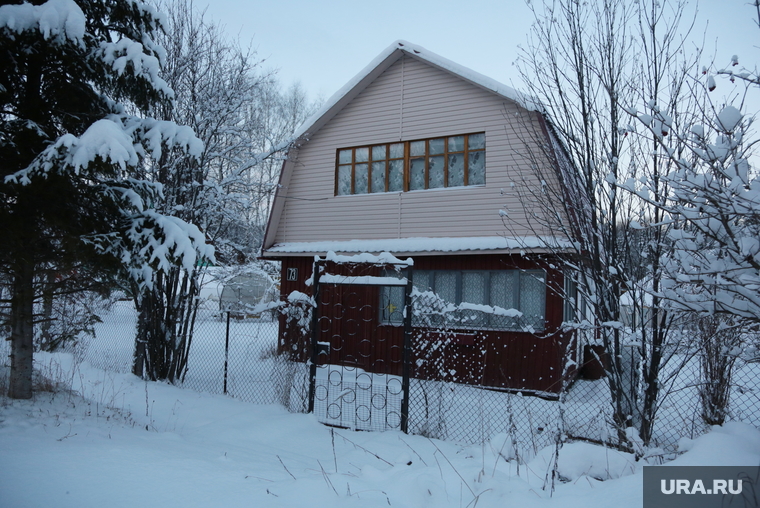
(406, 353)
(226, 351)
(314, 337)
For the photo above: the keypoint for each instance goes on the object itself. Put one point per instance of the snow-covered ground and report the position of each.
(348, 397)
(114, 440)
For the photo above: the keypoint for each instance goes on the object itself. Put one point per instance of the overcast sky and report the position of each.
(324, 43)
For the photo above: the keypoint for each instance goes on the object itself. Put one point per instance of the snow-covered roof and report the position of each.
(384, 60)
(411, 246)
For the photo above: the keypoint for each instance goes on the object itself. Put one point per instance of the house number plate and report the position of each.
(292, 274)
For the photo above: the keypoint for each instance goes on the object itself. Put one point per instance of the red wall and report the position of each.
(490, 358)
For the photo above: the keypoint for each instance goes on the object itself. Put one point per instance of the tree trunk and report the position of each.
(22, 332)
(167, 314)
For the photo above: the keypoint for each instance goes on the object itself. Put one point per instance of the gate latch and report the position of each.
(323, 348)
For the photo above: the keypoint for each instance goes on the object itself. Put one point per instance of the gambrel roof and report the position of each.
(409, 93)
(384, 60)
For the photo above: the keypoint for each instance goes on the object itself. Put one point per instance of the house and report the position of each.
(421, 158)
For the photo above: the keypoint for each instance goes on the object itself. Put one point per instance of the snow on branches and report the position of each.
(60, 20)
(120, 142)
(151, 241)
(714, 205)
(114, 41)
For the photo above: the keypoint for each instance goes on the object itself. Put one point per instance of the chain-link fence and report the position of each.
(369, 367)
(469, 373)
(230, 353)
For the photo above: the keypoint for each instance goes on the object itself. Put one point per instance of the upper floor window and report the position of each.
(449, 161)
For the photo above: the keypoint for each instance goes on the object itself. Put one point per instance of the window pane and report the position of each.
(474, 291)
(503, 295)
(416, 174)
(474, 287)
(392, 305)
(446, 286)
(571, 299)
(437, 146)
(378, 153)
(476, 168)
(397, 151)
(361, 176)
(396, 176)
(456, 144)
(456, 170)
(362, 154)
(378, 177)
(532, 299)
(476, 141)
(344, 180)
(417, 148)
(344, 156)
(422, 280)
(435, 172)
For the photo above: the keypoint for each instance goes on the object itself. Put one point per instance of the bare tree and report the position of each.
(661, 77)
(720, 344)
(271, 121)
(213, 81)
(574, 66)
(245, 123)
(585, 64)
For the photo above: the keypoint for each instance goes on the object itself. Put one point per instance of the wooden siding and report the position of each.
(410, 100)
(485, 357)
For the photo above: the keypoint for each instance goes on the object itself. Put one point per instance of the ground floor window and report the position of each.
(523, 290)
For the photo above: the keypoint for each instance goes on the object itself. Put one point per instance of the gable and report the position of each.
(411, 99)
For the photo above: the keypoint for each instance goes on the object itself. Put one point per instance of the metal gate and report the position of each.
(361, 332)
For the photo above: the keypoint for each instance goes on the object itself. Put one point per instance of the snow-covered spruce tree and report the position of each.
(69, 201)
(583, 63)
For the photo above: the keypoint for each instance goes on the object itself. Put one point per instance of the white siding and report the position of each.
(410, 100)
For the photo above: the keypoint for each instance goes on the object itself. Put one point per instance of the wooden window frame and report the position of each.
(407, 158)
